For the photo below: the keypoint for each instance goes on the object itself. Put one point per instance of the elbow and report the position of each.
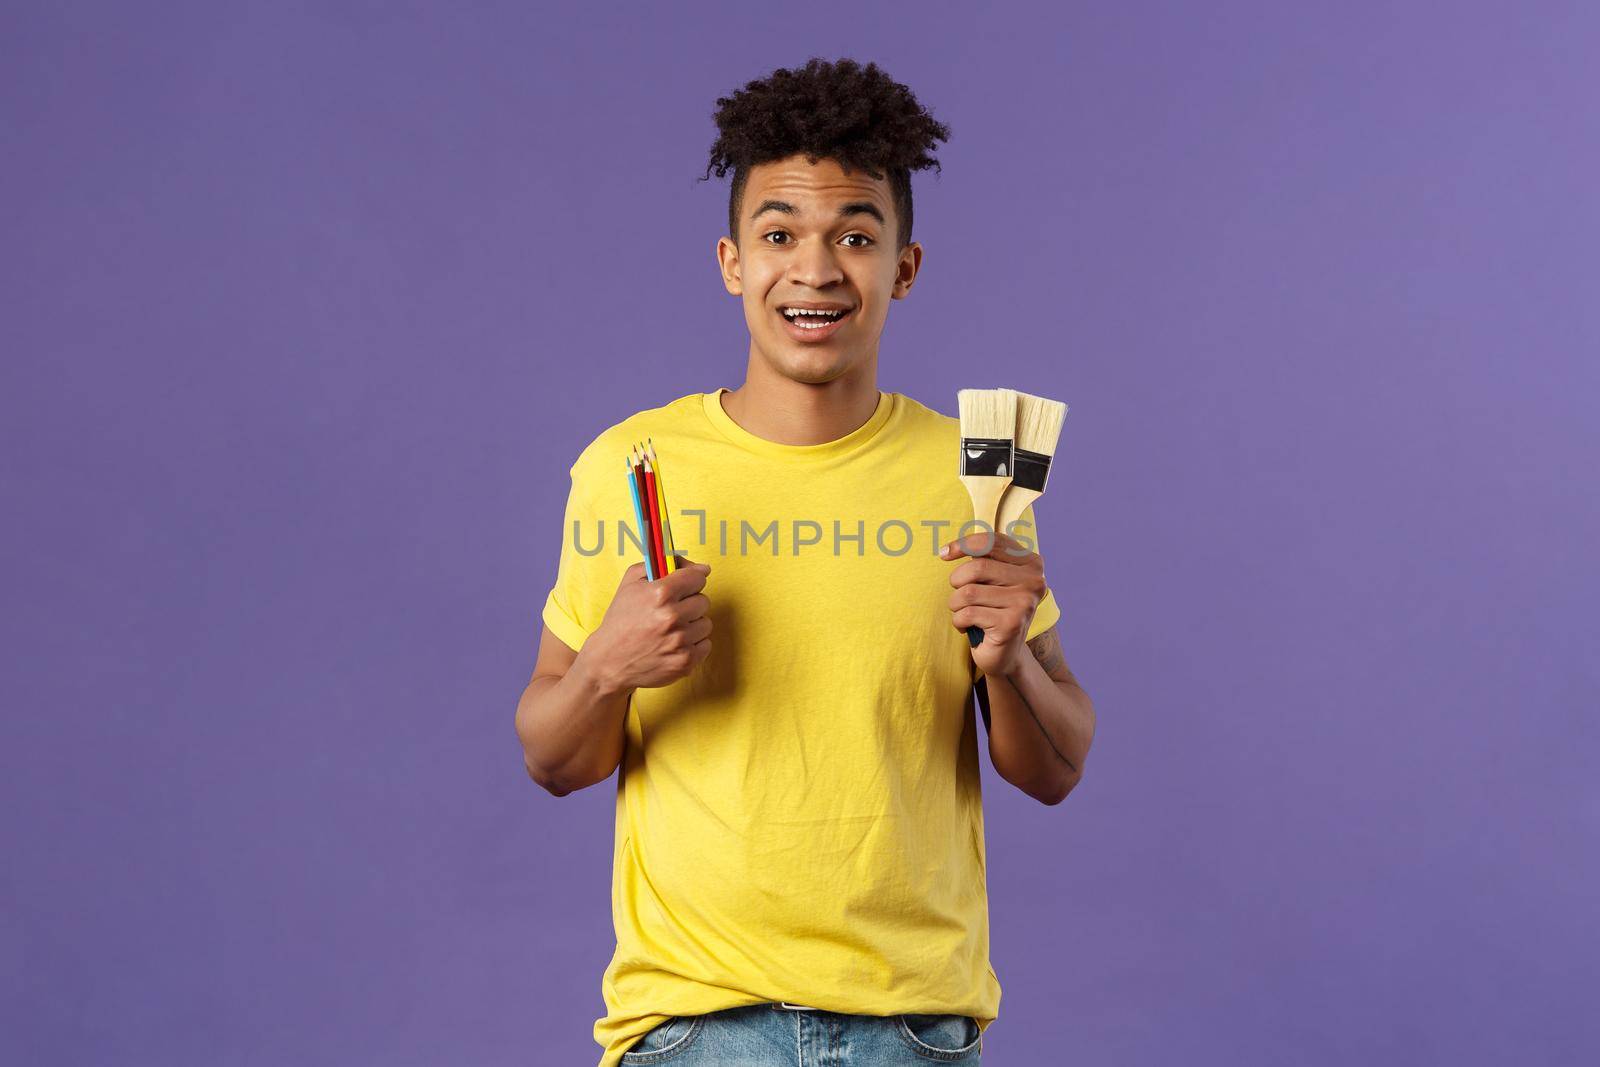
(1050, 800)
(554, 790)
(544, 778)
(559, 781)
(1051, 797)
(550, 779)
(555, 787)
(553, 784)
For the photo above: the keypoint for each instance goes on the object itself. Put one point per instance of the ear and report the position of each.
(905, 271)
(728, 262)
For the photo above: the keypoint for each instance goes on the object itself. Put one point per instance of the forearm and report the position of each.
(1040, 729)
(571, 727)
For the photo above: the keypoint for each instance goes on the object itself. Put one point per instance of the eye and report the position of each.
(863, 236)
(774, 233)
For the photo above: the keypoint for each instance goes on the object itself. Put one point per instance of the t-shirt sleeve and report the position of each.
(1047, 613)
(589, 567)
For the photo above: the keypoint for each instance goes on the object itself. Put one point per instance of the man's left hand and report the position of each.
(998, 588)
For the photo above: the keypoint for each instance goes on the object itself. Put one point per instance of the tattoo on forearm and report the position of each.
(1035, 716)
(1047, 650)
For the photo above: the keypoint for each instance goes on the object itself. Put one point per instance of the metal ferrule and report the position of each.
(985, 456)
(1031, 469)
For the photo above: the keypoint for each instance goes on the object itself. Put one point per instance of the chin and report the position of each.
(814, 372)
(813, 367)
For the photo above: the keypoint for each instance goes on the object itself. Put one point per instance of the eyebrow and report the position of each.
(859, 207)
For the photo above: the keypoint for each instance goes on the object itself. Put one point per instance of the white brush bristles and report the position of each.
(1039, 422)
(988, 412)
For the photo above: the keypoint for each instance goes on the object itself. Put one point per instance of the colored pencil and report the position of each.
(653, 474)
(638, 514)
(644, 503)
(653, 510)
(666, 513)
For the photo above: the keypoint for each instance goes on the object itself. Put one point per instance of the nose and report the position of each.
(814, 266)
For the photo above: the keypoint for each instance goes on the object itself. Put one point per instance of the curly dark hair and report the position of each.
(855, 115)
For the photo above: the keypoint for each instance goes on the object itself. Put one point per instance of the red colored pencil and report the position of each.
(653, 510)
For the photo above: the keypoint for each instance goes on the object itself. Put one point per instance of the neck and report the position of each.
(788, 412)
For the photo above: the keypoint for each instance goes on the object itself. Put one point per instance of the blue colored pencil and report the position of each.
(638, 514)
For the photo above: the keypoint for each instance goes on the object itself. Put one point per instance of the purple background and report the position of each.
(307, 309)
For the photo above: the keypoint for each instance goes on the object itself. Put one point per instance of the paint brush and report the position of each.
(1038, 429)
(988, 429)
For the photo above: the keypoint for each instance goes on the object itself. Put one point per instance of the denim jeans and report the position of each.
(791, 1035)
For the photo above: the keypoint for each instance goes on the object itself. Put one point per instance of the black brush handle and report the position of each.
(974, 636)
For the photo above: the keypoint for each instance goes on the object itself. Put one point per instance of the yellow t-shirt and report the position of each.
(800, 819)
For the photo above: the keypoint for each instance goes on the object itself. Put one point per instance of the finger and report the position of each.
(634, 573)
(697, 630)
(999, 625)
(687, 580)
(974, 615)
(973, 544)
(978, 594)
(985, 542)
(691, 607)
(1003, 547)
(985, 570)
(1009, 548)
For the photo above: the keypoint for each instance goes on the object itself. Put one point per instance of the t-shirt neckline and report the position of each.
(888, 403)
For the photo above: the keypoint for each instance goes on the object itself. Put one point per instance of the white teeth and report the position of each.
(793, 314)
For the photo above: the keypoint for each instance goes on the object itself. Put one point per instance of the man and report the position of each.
(799, 862)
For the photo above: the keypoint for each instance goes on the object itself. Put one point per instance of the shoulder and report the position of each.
(927, 424)
(917, 411)
(606, 449)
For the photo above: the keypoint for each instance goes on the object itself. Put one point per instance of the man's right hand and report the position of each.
(655, 632)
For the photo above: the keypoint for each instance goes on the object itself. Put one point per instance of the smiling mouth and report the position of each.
(813, 318)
